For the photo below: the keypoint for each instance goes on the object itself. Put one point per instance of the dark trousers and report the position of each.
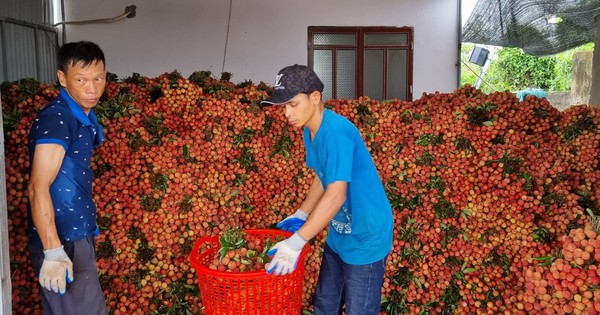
(84, 295)
(358, 287)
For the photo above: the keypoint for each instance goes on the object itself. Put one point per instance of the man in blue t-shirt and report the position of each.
(62, 213)
(346, 194)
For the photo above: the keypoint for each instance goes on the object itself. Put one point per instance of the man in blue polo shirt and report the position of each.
(62, 213)
(346, 194)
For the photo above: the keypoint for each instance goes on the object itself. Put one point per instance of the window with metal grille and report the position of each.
(362, 61)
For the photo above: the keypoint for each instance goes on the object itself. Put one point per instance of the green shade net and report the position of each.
(529, 24)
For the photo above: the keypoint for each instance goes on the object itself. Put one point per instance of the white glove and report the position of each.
(286, 255)
(56, 270)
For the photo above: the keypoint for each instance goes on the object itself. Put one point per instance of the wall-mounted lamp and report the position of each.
(554, 19)
(129, 13)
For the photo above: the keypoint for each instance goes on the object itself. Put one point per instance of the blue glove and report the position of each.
(56, 270)
(293, 222)
(286, 255)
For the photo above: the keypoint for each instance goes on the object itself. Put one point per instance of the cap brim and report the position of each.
(277, 99)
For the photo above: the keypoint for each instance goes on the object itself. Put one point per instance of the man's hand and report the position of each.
(56, 270)
(286, 255)
(293, 222)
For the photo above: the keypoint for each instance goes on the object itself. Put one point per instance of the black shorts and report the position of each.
(84, 295)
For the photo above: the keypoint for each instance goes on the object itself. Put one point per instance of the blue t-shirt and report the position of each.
(63, 122)
(361, 231)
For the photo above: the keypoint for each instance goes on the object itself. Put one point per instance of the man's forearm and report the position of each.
(326, 208)
(42, 212)
(315, 192)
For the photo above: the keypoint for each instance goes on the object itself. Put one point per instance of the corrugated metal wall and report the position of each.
(27, 49)
(28, 41)
(33, 11)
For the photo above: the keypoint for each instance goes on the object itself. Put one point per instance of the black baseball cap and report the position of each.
(291, 81)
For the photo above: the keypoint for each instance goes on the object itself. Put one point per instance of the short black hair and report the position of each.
(76, 52)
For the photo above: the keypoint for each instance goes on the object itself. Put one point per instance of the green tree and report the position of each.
(518, 70)
(514, 70)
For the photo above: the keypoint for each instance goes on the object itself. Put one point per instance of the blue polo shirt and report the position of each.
(361, 231)
(63, 122)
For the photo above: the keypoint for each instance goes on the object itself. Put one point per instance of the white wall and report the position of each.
(264, 35)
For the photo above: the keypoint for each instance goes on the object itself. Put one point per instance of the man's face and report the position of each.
(301, 109)
(85, 84)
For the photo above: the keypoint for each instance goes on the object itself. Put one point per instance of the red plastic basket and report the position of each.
(253, 292)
